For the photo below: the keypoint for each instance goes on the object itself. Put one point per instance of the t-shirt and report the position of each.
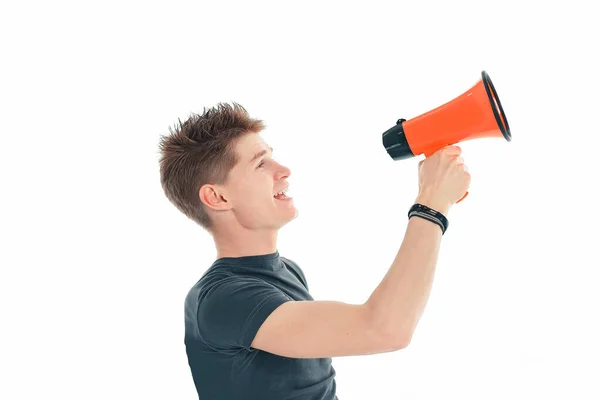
(223, 312)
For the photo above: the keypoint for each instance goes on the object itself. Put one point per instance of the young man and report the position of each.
(252, 329)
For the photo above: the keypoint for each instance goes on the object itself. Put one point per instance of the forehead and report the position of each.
(247, 147)
(251, 143)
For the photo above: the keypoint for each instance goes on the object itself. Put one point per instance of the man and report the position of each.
(252, 329)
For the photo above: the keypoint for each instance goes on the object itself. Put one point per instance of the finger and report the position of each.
(453, 150)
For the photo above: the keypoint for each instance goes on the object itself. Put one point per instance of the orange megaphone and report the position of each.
(477, 113)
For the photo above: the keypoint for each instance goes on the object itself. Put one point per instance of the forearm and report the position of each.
(399, 300)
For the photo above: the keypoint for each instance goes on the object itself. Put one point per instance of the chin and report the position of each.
(291, 218)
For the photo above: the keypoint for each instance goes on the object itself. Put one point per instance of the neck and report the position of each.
(249, 243)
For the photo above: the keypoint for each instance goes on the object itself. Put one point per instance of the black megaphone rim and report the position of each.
(489, 88)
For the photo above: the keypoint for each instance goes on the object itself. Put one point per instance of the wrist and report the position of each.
(433, 203)
(422, 211)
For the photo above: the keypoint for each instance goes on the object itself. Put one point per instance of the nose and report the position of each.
(283, 172)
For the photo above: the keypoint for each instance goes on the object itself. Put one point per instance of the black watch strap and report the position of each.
(420, 210)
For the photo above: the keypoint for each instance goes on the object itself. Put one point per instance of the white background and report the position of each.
(96, 262)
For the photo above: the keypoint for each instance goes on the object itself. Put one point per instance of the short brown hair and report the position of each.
(201, 150)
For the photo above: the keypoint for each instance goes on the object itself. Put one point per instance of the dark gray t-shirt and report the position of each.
(223, 312)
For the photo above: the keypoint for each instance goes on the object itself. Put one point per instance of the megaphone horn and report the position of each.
(477, 113)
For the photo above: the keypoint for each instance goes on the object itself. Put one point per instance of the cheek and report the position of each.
(254, 193)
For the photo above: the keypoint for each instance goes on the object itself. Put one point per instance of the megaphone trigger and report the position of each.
(462, 198)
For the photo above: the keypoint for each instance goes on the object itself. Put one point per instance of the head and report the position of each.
(210, 171)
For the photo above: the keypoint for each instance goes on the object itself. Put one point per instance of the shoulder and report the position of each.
(293, 265)
(296, 268)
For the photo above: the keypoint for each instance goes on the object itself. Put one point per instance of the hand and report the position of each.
(443, 179)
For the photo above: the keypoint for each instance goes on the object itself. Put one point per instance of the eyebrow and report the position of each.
(259, 155)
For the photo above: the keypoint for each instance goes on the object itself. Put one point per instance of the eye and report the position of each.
(261, 164)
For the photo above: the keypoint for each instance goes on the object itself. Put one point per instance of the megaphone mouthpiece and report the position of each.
(394, 140)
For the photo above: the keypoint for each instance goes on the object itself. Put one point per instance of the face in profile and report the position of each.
(251, 191)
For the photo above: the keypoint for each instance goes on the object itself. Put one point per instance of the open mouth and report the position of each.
(282, 195)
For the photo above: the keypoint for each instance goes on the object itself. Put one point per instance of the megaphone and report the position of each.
(477, 113)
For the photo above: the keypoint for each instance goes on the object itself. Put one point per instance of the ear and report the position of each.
(212, 197)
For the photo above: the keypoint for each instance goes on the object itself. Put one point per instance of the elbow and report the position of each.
(389, 343)
(404, 342)
(393, 336)
(399, 342)
(395, 339)
(399, 336)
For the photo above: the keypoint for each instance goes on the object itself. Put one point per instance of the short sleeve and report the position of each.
(231, 311)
